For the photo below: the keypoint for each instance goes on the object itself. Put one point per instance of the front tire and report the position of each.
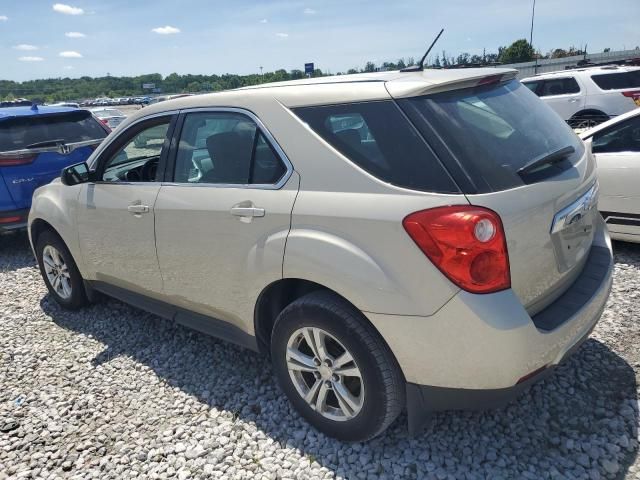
(59, 271)
(335, 369)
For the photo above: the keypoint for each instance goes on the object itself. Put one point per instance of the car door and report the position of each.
(223, 219)
(563, 95)
(617, 152)
(116, 212)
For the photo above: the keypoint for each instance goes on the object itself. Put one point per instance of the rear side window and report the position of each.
(493, 131)
(617, 81)
(559, 86)
(72, 127)
(378, 138)
(533, 86)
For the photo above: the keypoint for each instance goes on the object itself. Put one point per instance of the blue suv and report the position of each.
(36, 143)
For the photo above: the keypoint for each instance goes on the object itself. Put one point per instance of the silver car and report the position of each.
(400, 240)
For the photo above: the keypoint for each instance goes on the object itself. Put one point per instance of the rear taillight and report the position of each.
(11, 219)
(466, 243)
(633, 94)
(13, 159)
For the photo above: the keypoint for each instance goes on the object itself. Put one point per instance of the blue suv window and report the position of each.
(71, 127)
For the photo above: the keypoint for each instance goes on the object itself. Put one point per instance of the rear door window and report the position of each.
(378, 138)
(559, 86)
(69, 127)
(225, 148)
(494, 131)
(617, 81)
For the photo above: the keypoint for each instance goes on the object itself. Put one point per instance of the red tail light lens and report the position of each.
(466, 243)
(13, 159)
(12, 219)
(632, 93)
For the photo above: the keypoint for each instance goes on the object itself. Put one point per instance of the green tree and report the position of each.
(519, 51)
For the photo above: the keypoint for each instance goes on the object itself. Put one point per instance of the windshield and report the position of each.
(78, 126)
(494, 131)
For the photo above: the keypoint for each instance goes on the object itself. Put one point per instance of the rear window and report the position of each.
(378, 138)
(617, 81)
(493, 131)
(70, 127)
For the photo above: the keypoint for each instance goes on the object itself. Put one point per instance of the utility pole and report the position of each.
(533, 14)
(261, 75)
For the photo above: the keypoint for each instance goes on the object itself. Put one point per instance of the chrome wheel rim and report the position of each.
(57, 272)
(325, 374)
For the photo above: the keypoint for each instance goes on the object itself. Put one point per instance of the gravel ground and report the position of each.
(111, 392)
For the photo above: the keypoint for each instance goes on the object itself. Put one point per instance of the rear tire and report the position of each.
(59, 271)
(353, 384)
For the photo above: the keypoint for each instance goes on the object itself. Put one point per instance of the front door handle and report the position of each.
(247, 211)
(137, 208)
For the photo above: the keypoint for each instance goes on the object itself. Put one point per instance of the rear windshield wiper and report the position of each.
(547, 159)
(47, 143)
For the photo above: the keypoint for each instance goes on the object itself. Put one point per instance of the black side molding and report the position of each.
(195, 321)
(618, 218)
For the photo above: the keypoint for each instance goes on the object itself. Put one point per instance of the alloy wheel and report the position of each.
(325, 374)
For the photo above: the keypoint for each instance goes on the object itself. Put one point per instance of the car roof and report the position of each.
(13, 112)
(603, 69)
(337, 89)
(620, 118)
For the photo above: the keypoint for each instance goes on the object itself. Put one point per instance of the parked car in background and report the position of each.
(111, 117)
(65, 104)
(443, 249)
(616, 146)
(36, 143)
(586, 97)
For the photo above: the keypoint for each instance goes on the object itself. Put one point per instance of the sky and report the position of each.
(46, 39)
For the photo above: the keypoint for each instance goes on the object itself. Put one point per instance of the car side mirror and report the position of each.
(75, 174)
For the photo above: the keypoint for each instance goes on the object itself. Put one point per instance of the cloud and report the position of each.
(309, 11)
(25, 47)
(167, 30)
(3, 18)
(31, 59)
(67, 9)
(70, 54)
(264, 20)
(68, 67)
(282, 35)
(74, 35)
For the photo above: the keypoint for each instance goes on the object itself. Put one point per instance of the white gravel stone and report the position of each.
(113, 392)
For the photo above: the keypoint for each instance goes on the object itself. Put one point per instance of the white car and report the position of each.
(111, 117)
(616, 147)
(588, 96)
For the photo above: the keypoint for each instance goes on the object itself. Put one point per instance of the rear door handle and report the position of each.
(247, 211)
(137, 208)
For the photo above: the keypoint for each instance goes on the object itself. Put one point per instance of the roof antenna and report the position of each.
(420, 66)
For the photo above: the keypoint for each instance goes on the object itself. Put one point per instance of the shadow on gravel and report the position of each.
(584, 417)
(15, 251)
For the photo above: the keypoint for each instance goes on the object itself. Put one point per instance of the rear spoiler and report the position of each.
(414, 86)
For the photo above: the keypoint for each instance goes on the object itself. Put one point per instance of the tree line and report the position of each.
(58, 89)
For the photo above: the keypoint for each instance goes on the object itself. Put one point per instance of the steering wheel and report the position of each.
(149, 170)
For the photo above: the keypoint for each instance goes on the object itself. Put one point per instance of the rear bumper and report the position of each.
(480, 351)
(13, 220)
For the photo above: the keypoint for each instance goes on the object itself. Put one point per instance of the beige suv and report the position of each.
(402, 240)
